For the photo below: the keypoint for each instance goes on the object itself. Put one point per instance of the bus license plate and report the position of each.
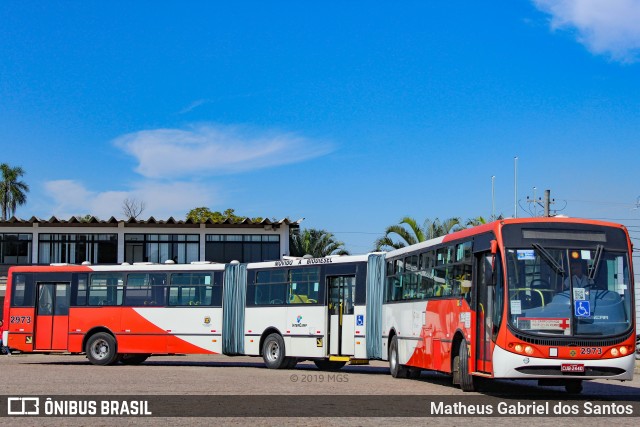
(572, 367)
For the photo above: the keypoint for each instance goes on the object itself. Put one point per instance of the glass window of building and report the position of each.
(15, 249)
(158, 248)
(242, 247)
(77, 248)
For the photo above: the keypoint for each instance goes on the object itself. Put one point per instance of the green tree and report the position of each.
(409, 232)
(202, 214)
(472, 222)
(86, 218)
(479, 220)
(317, 243)
(12, 190)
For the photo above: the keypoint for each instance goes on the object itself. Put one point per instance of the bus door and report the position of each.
(484, 306)
(341, 317)
(52, 316)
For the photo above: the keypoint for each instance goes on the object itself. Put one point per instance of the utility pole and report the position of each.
(545, 204)
(547, 201)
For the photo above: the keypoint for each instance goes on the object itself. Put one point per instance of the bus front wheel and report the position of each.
(461, 375)
(101, 349)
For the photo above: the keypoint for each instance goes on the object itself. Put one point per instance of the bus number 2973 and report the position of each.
(20, 319)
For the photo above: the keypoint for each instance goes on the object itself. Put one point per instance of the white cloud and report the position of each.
(174, 163)
(162, 200)
(195, 104)
(605, 27)
(213, 150)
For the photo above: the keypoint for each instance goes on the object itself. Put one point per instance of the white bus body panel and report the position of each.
(407, 319)
(300, 326)
(359, 332)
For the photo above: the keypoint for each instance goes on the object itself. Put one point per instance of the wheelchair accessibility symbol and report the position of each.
(582, 308)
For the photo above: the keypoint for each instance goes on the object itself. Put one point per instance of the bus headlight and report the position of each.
(529, 350)
(615, 352)
(518, 348)
(623, 350)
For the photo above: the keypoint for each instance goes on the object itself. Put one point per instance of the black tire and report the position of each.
(101, 349)
(328, 365)
(133, 358)
(397, 370)
(273, 352)
(461, 374)
(573, 386)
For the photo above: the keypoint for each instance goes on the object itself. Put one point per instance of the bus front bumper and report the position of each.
(512, 365)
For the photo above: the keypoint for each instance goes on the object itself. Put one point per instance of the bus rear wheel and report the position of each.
(101, 349)
(133, 358)
(273, 352)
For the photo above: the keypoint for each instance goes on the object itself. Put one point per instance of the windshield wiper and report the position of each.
(549, 258)
(596, 262)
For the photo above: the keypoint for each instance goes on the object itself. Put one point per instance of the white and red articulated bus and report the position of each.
(550, 299)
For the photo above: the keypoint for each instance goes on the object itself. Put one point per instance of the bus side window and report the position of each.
(81, 293)
(106, 289)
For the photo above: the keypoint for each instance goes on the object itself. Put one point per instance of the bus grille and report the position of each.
(571, 341)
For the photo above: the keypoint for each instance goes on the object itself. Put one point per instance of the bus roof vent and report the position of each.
(200, 262)
(169, 261)
(86, 263)
(125, 263)
(142, 263)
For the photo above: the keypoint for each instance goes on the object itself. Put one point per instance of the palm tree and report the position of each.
(472, 222)
(317, 243)
(410, 232)
(12, 190)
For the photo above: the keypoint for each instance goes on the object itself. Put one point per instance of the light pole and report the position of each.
(493, 197)
(515, 187)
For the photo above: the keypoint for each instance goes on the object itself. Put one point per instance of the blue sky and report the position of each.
(348, 114)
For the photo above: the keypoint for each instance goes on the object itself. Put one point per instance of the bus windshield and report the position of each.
(569, 291)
